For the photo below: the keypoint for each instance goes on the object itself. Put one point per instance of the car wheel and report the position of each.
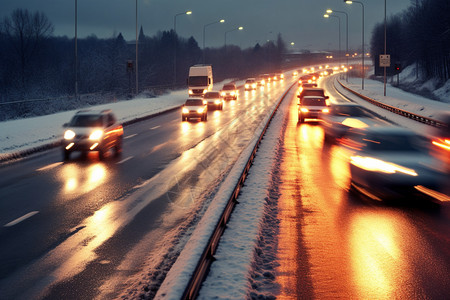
(301, 119)
(118, 148)
(206, 117)
(66, 154)
(101, 154)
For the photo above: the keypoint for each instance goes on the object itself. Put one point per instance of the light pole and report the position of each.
(329, 11)
(137, 48)
(204, 29)
(76, 49)
(384, 76)
(176, 43)
(226, 32)
(363, 52)
(339, 19)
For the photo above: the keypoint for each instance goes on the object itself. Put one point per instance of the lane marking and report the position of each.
(51, 166)
(22, 218)
(124, 160)
(130, 136)
(155, 127)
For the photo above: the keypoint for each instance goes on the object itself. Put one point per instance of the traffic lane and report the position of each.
(333, 244)
(71, 208)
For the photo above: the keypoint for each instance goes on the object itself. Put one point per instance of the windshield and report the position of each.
(212, 95)
(393, 142)
(86, 121)
(198, 80)
(228, 87)
(194, 102)
(314, 102)
(350, 111)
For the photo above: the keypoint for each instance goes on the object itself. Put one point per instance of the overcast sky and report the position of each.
(298, 21)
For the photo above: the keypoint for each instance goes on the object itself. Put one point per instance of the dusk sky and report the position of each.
(298, 21)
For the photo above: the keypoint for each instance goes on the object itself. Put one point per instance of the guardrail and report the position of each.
(207, 256)
(398, 111)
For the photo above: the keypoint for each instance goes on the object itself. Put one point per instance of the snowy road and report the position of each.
(94, 222)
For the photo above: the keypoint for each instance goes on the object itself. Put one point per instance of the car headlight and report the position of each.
(217, 102)
(377, 165)
(185, 110)
(190, 92)
(69, 134)
(204, 91)
(254, 85)
(282, 76)
(263, 82)
(96, 135)
(325, 110)
(200, 110)
(222, 94)
(304, 109)
(233, 93)
(247, 86)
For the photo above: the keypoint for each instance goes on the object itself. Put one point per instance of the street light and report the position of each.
(363, 52)
(204, 29)
(76, 49)
(137, 48)
(330, 11)
(176, 40)
(234, 29)
(339, 19)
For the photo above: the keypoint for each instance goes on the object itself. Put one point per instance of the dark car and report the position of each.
(312, 107)
(214, 99)
(91, 130)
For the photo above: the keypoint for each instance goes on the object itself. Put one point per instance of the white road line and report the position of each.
(51, 166)
(124, 160)
(130, 136)
(18, 220)
(155, 127)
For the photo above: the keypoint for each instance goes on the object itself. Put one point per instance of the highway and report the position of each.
(69, 229)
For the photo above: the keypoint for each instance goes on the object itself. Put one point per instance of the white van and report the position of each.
(200, 80)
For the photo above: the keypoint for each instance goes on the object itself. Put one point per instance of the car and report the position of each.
(391, 162)
(260, 81)
(229, 91)
(214, 99)
(250, 84)
(267, 78)
(195, 108)
(440, 139)
(312, 107)
(308, 78)
(343, 116)
(92, 130)
(303, 91)
(309, 85)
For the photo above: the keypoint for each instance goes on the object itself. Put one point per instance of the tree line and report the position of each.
(419, 36)
(37, 64)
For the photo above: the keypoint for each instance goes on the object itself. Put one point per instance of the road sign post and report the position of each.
(385, 62)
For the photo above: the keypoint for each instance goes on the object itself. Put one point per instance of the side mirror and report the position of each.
(326, 97)
(65, 125)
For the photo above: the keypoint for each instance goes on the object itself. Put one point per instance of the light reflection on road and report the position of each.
(334, 245)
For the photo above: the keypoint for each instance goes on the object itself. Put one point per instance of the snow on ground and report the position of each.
(26, 134)
(395, 97)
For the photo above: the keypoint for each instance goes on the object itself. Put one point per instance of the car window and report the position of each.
(194, 102)
(394, 142)
(314, 102)
(87, 121)
(228, 87)
(212, 95)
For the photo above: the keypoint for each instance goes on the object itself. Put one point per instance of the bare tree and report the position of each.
(25, 32)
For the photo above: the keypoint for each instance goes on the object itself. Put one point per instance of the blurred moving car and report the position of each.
(441, 139)
(91, 130)
(391, 162)
(229, 91)
(194, 108)
(214, 99)
(343, 116)
(312, 107)
(250, 84)
(260, 81)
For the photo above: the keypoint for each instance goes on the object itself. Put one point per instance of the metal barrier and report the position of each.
(398, 111)
(207, 257)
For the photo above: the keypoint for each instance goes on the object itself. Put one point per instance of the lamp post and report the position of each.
(204, 29)
(137, 48)
(384, 76)
(363, 52)
(329, 11)
(234, 29)
(76, 49)
(176, 43)
(339, 19)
